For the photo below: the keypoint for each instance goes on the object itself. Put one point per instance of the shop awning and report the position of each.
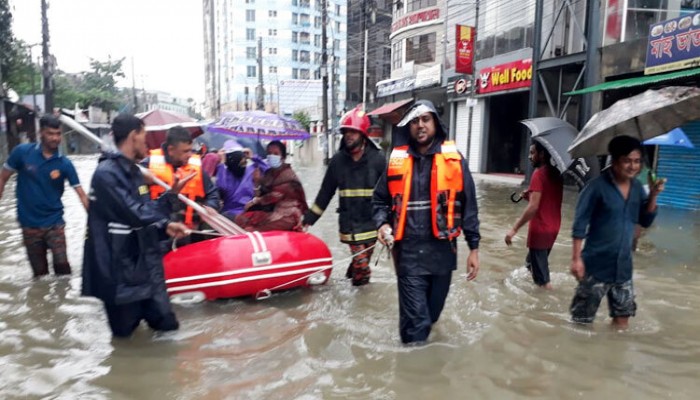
(638, 81)
(390, 107)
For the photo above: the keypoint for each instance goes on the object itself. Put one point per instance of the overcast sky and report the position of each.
(164, 37)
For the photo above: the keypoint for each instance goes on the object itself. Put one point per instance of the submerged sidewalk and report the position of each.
(511, 179)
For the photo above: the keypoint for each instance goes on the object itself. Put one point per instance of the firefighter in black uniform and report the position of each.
(353, 171)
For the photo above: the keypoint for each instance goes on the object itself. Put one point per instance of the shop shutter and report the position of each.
(462, 126)
(681, 167)
(475, 153)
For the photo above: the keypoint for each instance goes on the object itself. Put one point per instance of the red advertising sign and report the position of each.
(513, 75)
(422, 16)
(613, 22)
(464, 51)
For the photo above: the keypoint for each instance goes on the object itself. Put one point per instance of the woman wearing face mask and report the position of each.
(236, 178)
(281, 202)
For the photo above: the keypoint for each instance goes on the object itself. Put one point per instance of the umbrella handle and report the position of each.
(514, 199)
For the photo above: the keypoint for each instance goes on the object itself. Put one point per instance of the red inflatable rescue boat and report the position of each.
(250, 264)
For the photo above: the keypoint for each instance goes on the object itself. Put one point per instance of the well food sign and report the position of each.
(513, 75)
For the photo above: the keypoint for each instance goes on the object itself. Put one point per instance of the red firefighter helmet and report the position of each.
(355, 119)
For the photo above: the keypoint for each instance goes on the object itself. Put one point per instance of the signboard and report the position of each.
(674, 44)
(394, 86)
(415, 18)
(513, 75)
(464, 50)
(429, 76)
(459, 86)
(300, 94)
(613, 22)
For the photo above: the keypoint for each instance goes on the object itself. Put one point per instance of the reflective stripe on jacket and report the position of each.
(446, 183)
(193, 189)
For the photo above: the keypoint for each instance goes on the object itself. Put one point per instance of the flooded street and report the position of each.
(499, 337)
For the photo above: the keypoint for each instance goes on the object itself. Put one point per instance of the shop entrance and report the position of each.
(507, 141)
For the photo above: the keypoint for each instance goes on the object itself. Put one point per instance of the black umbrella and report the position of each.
(556, 136)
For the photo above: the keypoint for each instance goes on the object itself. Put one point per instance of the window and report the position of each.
(317, 74)
(250, 15)
(317, 40)
(305, 20)
(251, 71)
(295, 37)
(337, 9)
(250, 34)
(295, 73)
(414, 5)
(305, 3)
(317, 22)
(304, 74)
(273, 70)
(397, 55)
(295, 19)
(272, 32)
(304, 56)
(336, 45)
(272, 50)
(249, 1)
(295, 55)
(250, 52)
(317, 58)
(421, 49)
(272, 13)
(337, 26)
(295, 2)
(305, 38)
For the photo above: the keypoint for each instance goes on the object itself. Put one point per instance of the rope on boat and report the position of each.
(266, 293)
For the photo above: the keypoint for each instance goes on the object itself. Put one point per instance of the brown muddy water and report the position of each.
(498, 338)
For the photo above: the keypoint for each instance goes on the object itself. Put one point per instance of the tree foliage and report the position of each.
(303, 118)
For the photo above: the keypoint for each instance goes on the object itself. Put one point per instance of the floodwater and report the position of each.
(499, 337)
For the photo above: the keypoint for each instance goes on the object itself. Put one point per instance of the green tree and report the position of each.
(303, 118)
(96, 87)
(6, 37)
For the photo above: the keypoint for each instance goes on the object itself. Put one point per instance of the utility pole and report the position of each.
(47, 70)
(591, 74)
(364, 63)
(474, 80)
(260, 91)
(324, 77)
(133, 87)
(3, 119)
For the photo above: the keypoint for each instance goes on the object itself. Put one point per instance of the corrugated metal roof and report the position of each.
(638, 81)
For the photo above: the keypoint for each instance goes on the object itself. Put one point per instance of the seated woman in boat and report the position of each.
(236, 177)
(280, 202)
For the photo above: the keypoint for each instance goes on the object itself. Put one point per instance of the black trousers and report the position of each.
(421, 300)
(125, 318)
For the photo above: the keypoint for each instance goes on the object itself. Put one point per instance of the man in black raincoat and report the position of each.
(122, 264)
(423, 202)
(353, 171)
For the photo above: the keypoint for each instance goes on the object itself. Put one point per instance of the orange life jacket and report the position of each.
(445, 183)
(193, 189)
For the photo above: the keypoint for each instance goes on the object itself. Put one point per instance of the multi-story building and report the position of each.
(368, 49)
(417, 53)
(289, 35)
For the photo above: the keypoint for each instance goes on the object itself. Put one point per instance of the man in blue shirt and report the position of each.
(606, 213)
(41, 172)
